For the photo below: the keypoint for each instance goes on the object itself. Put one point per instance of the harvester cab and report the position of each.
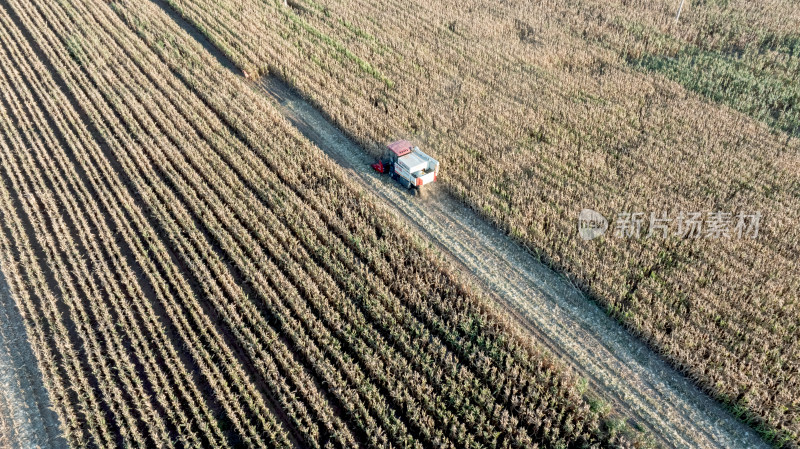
(408, 165)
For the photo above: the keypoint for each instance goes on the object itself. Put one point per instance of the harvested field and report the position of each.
(192, 272)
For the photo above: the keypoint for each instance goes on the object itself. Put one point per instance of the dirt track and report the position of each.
(618, 367)
(26, 419)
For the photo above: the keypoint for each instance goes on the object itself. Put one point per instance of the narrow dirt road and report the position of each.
(26, 419)
(618, 367)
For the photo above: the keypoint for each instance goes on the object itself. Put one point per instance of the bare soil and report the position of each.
(26, 417)
(619, 369)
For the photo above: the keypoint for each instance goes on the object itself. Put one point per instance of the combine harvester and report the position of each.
(408, 165)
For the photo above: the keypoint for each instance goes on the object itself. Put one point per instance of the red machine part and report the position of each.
(379, 167)
(401, 147)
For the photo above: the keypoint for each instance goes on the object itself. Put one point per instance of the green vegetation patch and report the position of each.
(341, 49)
(736, 80)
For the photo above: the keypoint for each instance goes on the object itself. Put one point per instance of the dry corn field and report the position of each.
(192, 272)
(538, 110)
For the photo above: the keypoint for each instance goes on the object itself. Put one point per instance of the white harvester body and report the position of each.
(409, 165)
